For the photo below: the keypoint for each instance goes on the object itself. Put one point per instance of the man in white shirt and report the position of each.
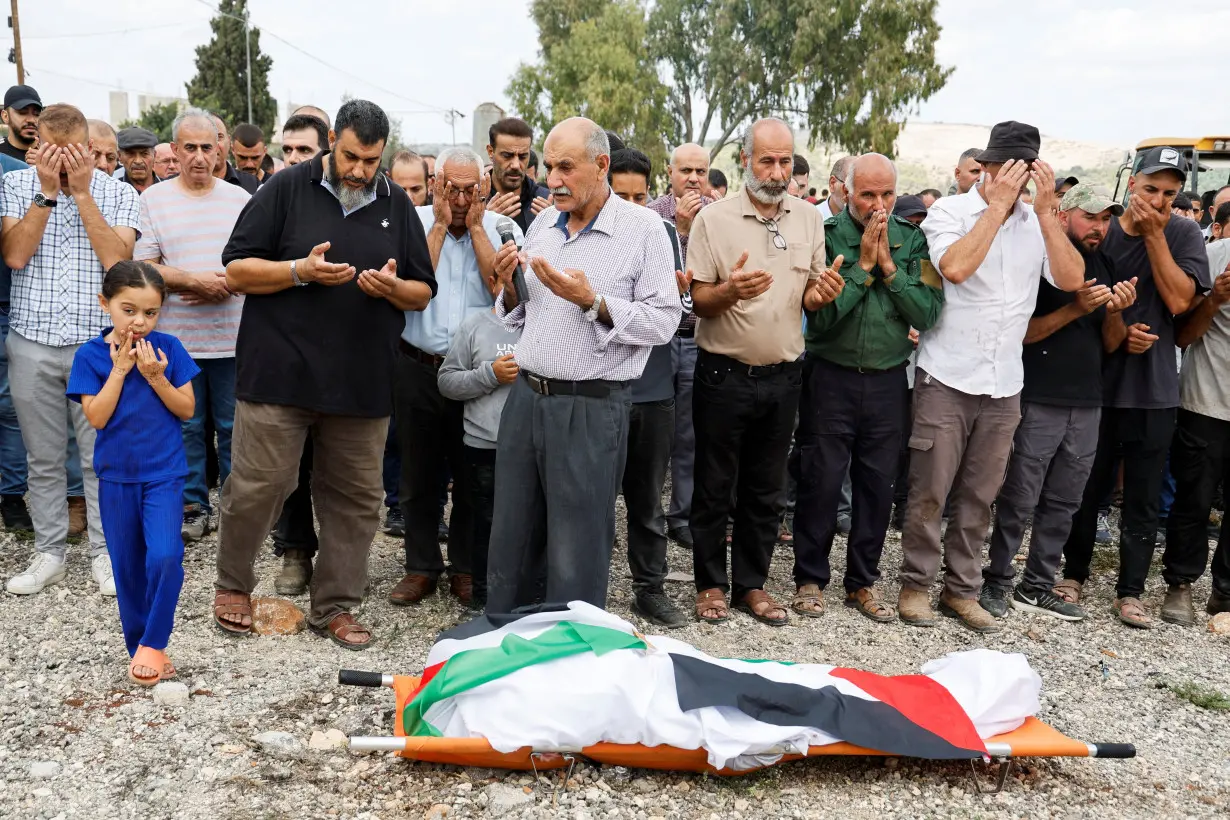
(836, 202)
(991, 251)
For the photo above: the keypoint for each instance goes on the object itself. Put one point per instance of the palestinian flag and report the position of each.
(564, 679)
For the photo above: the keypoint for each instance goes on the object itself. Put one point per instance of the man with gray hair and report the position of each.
(837, 190)
(758, 262)
(185, 224)
(462, 235)
(599, 294)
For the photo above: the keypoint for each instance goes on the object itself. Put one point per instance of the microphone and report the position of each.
(505, 228)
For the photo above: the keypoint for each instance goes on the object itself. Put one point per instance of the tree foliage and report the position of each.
(156, 118)
(221, 81)
(594, 64)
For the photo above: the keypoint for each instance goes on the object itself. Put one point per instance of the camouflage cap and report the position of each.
(1090, 198)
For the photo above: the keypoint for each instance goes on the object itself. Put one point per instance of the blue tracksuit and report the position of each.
(140, 462)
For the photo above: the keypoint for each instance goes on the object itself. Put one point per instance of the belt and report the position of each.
(593, 388)
(867, 371)
(753, 370)
(686, 332)
(413, 352)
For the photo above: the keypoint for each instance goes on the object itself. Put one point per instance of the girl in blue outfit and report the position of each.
(135, 386)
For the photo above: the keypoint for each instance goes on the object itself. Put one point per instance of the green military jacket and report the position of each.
(867, 326)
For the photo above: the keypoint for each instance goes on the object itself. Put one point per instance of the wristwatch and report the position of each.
(44, 202)
(294, 275)
(591, 315)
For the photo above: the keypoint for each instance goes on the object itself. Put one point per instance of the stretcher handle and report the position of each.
(1116, 751)
(355, 677)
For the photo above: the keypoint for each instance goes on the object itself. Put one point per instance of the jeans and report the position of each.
(1144, 436)
(651, 427)
(1200, 460)
(214, 388)
(12, 450)
(743, 428)
(683, 450)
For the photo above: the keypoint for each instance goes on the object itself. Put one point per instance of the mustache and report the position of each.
(562, 190)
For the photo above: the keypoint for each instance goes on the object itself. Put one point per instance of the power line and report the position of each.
(112, 33)
(111, 86)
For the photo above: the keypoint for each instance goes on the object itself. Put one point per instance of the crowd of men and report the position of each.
(452, 327)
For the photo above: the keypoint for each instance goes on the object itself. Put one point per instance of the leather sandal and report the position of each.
(807, 601)
(149, 659)
(1069, 590)
(230, 602)
(342, 626)
(712, 600)
(870, 605)
(1132, 612)
(759, 599)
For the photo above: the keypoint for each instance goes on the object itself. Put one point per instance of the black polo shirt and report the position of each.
(246, 181)
(327, 349)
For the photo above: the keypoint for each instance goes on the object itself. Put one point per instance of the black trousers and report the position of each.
(651, 433)
(296, 526)
(429, 428)
(901, 487)
(559, 465)
(1144, 437)
(1199, 461)
(479, 481)
(852, 418)
(743, 427)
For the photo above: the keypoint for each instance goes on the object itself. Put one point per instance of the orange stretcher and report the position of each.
(1033, 739)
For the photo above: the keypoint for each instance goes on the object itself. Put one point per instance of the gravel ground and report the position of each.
(77, 740)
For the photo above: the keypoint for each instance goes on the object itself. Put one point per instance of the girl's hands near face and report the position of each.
(151, 363)
(123, 356)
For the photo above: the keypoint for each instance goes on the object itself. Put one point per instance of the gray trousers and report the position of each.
(959, 449)
(1053, 452)
(559, 464)
(38, 378)
(650, 428)
(683, 451)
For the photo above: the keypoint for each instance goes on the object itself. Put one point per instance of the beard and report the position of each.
(764, 191)
(350, 198)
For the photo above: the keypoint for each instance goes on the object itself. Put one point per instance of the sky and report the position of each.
(1109, 71)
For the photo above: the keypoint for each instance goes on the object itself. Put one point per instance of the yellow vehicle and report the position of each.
(1208, 162)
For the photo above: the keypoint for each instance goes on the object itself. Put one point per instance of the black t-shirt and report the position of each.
(12, 150)
(246, 181)
(1065, 368)
(1150, 380)
(327, 349)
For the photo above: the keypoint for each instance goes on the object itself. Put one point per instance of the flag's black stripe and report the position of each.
(871, 724)
(491, 622)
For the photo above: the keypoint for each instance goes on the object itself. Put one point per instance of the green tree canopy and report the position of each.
(157, 118)
(221, 81)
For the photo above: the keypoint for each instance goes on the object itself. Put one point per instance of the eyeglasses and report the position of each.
(779, 241)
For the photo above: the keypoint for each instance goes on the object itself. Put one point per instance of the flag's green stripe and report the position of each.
(474, 667)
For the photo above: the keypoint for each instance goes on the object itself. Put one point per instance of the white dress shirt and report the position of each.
(976, 345)
(826, 210)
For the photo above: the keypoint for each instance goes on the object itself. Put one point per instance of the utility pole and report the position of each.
(450, 116)
(247, 45)
(16, 56)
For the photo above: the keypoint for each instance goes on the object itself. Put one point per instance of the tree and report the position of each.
(593, 63)
(221, 81)
(851, 69)
(156, 118)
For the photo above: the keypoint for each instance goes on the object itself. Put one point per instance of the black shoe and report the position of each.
(395, 523)
(1161, 532)
(681, 536)
(897, 522)
(653, 605)
(994, 600)
(843, 524)
(16, 516)
(441, 531)
(1045, 602)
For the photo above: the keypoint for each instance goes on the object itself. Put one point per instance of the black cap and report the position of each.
(20, 96)
(1059, 183)
(136, 137)
(1163, 158)
(1011, 140)
(909, 205)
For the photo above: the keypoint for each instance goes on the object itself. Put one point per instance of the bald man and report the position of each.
(689, 172)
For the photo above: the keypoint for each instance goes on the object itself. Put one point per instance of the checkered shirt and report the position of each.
(54, 300)
(664, 206)
(627, 258)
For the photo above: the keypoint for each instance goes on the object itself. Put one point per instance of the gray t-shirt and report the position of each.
(1204, 387)
(467, 375)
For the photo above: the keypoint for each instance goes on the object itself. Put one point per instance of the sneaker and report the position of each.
(994, 600)
(843, 524)
(681, 536)
(653, 605)
(395, 523)
(196, 524)
(1045, 602)
(100, 567)
(16, 516)
(44, 571)
(77, 521)
(1103, 537)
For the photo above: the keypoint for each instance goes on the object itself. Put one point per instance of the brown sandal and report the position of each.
(230, 602)
(1132, 612)
(759, 598)
(1069, 590)
(342, 626)
(870, 605)
(807, 601)
(712, 600)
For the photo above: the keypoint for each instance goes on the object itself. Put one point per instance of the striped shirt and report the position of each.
(627, 258)
(55, 296)
(183, 230)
